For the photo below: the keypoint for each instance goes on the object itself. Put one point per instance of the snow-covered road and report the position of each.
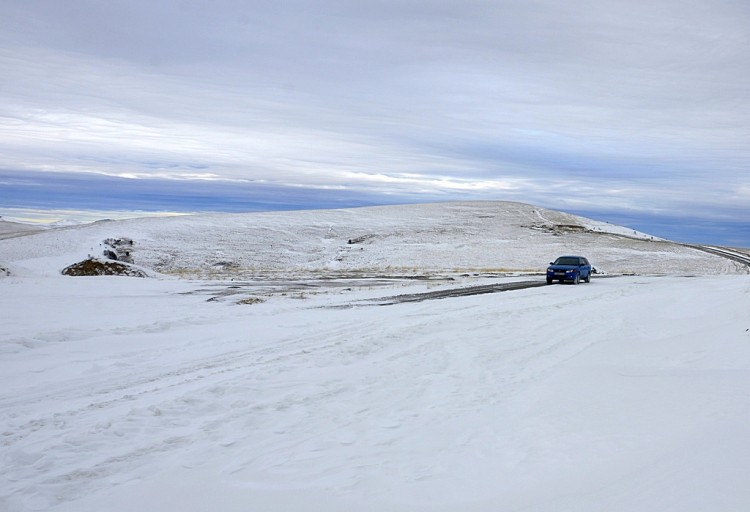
(124, 394)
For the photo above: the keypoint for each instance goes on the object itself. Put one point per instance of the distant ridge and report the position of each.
(11, 228)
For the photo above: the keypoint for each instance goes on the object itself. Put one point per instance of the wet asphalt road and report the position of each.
(456, 292)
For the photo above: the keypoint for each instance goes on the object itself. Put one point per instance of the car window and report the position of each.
(566, 261)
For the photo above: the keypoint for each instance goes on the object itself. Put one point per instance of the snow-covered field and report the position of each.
(121, 394)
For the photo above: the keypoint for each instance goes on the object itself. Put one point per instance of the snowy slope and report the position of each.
(447, 237)
(121, 394)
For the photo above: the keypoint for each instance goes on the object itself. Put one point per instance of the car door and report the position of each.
(585, 267)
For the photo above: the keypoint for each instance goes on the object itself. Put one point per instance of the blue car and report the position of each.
(569, 268)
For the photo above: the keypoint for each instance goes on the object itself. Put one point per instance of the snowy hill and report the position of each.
(476, 237)
(10, 228)
(625, 394)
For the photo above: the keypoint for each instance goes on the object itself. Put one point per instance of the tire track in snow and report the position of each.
(176, 391)
(133, 388)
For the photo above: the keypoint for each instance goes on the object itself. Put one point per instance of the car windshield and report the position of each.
(566, 261)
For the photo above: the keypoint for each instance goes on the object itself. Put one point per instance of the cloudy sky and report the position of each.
(624, 110)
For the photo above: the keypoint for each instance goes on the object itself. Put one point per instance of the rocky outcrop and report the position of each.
(119, 249)
(95, 267)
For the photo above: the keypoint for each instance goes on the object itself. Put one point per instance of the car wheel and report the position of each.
(588, 278)
(577, 279)
(549, 281)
